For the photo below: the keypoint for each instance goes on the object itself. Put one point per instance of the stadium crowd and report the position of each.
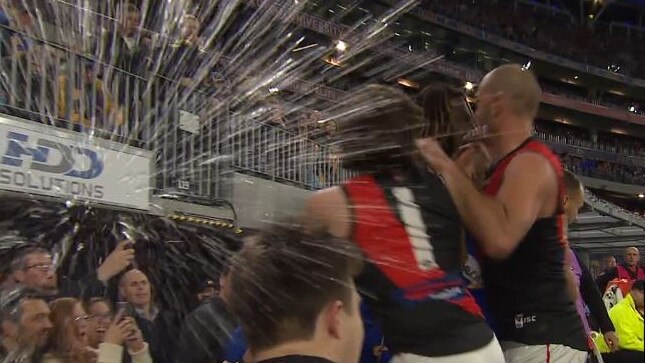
(113, 313)
(549, 32)
(85, 94)
(602, 165)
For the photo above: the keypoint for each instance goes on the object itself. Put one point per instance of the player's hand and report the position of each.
(612, 340)
(474, 160)
(433, 154)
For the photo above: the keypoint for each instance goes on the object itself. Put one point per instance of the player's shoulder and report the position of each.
(327, 197)
(531, 164)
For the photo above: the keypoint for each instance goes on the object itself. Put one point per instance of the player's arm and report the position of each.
(592, 297)
(498, 223)
(328, 209)
(572, 288)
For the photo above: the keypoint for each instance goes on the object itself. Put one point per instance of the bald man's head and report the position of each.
(632, 256)
(134, 287)
(509, 89)
(574, 198)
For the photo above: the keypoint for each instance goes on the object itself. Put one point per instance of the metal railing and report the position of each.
(562, 144)
(282, 155)
(194, 136)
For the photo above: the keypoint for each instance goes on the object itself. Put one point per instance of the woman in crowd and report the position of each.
(69, 338)
(100, 314)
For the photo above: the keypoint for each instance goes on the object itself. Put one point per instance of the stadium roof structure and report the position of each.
(623, 11)
(604, 228)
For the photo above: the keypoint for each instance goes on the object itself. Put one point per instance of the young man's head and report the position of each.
(24, 320)
(293, 293)
(637, 294)
(507, 98)
(100, 315)
(206, 290)
(134, 287)
(574, 198)
(376, 128)
(130, 19)
(632, 256)
(32, 268)
(190, 27)
(225, 282)
(447, 115)
(89, 73)
(609, 261)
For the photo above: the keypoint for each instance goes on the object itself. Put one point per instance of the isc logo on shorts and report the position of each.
(520, 320)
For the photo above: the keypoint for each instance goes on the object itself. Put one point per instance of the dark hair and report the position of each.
(87, 303)
(129, 8)
(376, 127)
(638, 285)
(440, 103)
(11, 302)
(284, 277)
(19, 259)
(11, 246)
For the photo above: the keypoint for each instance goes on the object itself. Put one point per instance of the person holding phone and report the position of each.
(70, 335)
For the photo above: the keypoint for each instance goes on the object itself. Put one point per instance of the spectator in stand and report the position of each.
(5, 33)
(100, 316)
(127, 49)
(311, 312)
(185, 57)
(206, 291)
(609, 262)
(308, 123)
(276, 113)
(208, 328)
(24, 325)
(589, 296)
(628, 270)
(627, 316)
(32, 267)
(89, 96)
(135, 289)
(21, 29)
(69, 338)
(102, 329)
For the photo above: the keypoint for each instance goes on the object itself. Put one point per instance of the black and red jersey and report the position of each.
(410, 232)
(527, 292)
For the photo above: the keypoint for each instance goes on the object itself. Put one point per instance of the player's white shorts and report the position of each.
(550, 353)
(490, 353)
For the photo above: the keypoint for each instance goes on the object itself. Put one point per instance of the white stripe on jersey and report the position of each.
(415, 227)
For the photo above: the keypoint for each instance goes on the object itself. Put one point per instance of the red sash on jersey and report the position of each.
(531, 145)
(384, 240)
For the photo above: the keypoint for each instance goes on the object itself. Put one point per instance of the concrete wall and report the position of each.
(259, 201)
(611, 186)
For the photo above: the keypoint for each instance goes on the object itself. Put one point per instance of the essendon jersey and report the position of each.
(527, 292)
(410, 232)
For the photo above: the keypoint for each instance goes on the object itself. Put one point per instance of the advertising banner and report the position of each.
(39, 159)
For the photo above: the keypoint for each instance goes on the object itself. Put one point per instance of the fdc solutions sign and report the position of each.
(43, 160)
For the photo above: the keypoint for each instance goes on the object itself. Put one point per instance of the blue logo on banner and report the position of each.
(43, 154)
